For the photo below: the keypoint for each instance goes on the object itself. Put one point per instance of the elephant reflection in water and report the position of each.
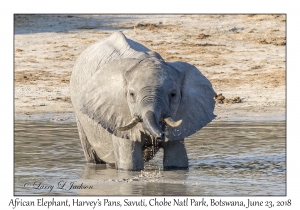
(129, 103)
(107, 181)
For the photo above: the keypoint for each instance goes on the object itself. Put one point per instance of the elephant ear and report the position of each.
(197, 102)
(103, 98)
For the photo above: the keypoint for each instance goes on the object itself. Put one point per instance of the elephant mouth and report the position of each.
(155, 127)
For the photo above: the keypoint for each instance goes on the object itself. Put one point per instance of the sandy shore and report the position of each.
(242, 55)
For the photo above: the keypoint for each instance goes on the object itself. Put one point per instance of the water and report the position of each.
(225, 158)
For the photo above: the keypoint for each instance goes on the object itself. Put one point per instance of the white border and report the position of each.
(154, 6)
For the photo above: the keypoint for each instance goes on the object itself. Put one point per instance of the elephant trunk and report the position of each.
(152, 125)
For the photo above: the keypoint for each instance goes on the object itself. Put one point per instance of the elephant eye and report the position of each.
(173, 95)
(132, 95)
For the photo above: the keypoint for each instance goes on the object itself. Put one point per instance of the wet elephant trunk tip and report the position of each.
(152, 125)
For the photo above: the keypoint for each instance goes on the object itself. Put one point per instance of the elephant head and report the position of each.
(146, 94)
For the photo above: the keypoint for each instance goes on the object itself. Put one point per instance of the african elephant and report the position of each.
(129, 102)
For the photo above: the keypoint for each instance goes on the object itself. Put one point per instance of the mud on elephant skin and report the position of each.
(129, 103)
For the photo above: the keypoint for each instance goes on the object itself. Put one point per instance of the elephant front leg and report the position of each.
(175, 156)
(128, 154)
(89, 152)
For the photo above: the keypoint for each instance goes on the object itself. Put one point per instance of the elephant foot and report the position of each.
(175, 156)
(96, 159)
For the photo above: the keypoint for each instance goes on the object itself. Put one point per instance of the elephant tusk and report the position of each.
(130, 125)
(171, 122)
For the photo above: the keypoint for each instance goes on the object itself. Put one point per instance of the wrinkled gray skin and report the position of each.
(117, 79)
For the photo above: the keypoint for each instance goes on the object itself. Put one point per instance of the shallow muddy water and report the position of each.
(225, 158)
